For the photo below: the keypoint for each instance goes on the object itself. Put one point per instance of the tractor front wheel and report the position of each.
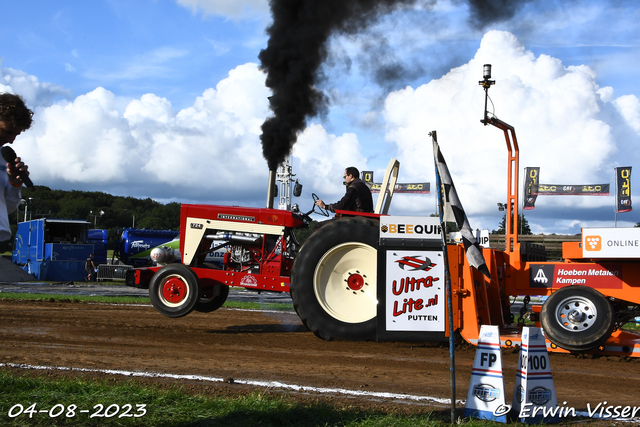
(334, 280)
(174, 290)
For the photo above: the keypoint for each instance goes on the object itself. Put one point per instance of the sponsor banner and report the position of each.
(486, 388)
(607, 276)
(623, 189)
(530, 183)
(483, 239)
(410, 227)
(611, 242)
(414, 290)
(570, 190)
(418, 187)
(367, 177)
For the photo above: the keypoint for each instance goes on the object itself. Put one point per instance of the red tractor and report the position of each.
(331, 278)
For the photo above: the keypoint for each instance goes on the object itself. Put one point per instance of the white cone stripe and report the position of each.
(488, 346)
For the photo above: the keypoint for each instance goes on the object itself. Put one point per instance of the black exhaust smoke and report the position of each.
(297, 48)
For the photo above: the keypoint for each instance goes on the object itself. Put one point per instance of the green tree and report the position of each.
(451, 227)
(523, 226)
(302, 233)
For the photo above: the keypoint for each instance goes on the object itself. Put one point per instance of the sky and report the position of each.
(165, 99)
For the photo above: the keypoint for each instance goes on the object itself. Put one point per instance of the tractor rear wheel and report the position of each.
(174, 290)
(212, 298)
(334, 280)
(577, 318)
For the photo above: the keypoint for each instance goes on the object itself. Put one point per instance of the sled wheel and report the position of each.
(577, 318)
(334, 279)
(174, 290)
(212, 298)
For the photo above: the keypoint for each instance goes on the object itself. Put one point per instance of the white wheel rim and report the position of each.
(345, 280)
(576, 314)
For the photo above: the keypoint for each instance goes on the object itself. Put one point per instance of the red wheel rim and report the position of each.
(174, 290)
(355, 282)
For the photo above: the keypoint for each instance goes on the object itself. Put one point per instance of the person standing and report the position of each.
(90, 268)
(15, 118)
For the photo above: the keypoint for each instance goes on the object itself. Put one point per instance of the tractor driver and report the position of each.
(14, 118)
(357, 197)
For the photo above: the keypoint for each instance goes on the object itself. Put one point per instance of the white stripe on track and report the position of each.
(271, 384)
(256, 383)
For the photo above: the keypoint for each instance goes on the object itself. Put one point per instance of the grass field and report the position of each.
(27, 400)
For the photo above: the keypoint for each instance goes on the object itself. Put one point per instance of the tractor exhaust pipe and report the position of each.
(271, 189)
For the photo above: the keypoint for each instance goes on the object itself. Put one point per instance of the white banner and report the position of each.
(415, 297)
(483, 240)
(409, 227)
(611, 242)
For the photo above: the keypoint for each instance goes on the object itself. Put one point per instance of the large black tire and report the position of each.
(174, 290)
(577, 318)
(333, 280)
(209, 302)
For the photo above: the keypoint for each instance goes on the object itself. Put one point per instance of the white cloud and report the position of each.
(322, 159)
(557, 112)
(33, 91)
(149, 108)
(220, 129)
(84, 141)
(235, 9)
(629, 107)
(151, 149)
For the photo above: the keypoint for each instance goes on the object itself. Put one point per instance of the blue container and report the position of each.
(53, 249)
(98, 238)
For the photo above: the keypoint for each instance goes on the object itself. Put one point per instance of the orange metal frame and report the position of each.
(478, 300)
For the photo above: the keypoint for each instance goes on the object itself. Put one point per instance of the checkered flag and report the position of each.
(453, 212)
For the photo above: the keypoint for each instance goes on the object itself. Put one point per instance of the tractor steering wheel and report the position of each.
(315, 199)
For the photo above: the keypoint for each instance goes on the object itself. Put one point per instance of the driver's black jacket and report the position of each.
(357, 198)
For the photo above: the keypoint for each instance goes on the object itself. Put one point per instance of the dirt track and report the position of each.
(273, 346)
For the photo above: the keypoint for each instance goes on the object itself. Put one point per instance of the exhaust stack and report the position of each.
(271, 189)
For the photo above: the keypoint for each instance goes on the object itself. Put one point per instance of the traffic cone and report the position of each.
(485, 397)
(534, 397)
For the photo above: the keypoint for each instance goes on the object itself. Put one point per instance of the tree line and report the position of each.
(103, 210)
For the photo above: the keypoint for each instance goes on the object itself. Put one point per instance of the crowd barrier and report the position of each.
(112, 271)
